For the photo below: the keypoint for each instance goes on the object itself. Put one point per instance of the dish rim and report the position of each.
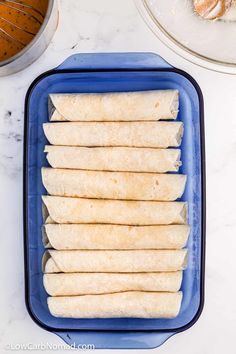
(203, 199)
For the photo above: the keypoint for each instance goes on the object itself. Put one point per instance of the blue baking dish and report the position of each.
(106, 73)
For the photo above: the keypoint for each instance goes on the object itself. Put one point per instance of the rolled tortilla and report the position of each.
(69, 284)
(114, 159)
(65, 210)
(129, 134)
(113, 185)
(115, 106)
(114, 261)
(138, 304)
(102, 236)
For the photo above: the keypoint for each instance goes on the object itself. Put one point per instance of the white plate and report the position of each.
(211, 44)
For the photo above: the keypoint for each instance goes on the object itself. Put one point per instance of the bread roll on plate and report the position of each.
(126, 304)
(124, 159)
(66, 210)
(114, 106)
(103, 236)
(113, 185)
(129, 134)
(71, 284)
(114, 261)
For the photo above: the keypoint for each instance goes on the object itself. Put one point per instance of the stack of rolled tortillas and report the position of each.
(114, 232)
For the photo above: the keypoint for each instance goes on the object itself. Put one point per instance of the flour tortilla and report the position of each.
(126, 304)
(114, 261)
(65, 210)
(130, 134)
(114, 158)
(102, 236)
(113, 185)
(68, 284)
(118, 106)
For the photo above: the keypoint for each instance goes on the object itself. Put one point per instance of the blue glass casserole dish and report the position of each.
(107, 73)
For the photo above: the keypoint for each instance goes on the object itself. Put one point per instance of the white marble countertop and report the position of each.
(111, 25)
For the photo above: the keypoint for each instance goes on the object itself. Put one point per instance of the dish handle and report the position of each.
(109, 61)
(114, 339)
